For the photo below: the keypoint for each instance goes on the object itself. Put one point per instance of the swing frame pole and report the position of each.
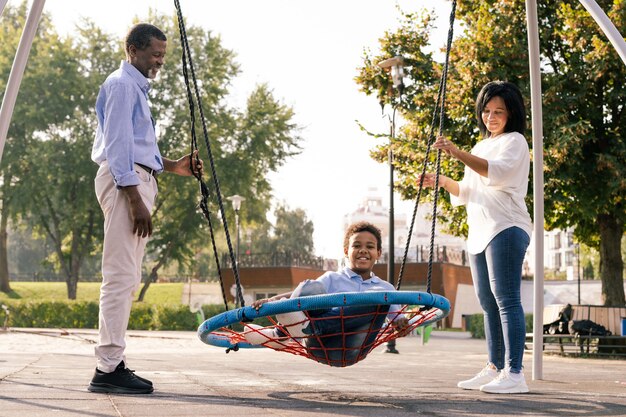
(17, 70)
(2, 4)
(537, 133)
(607, 26)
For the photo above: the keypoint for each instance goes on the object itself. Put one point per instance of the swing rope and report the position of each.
(439, 111)
(204, 188)
(334, 348)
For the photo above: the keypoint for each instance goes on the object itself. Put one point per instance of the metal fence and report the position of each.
(443, 254)
(276, 259)
(273, 259)
(50, 277)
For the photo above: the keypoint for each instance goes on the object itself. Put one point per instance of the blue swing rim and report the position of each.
(314, 302)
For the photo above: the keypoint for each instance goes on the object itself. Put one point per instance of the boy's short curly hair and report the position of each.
(363, 227)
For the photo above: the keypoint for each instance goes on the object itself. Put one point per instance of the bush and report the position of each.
(142, 317)
(84, 315)
(477, 325)
(177, 317)
(52, 314)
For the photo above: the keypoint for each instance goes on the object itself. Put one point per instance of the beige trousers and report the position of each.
(122, 255)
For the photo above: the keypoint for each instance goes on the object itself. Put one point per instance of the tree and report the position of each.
(44, 99)
(586, 151)
(60, 202)
(246, 146)
(584, 148)
(291, 235)
(55, 196)
(293, 232)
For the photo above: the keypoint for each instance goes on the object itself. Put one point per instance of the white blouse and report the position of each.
(496, 203)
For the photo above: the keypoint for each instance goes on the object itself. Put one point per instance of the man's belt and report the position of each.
(149, 170)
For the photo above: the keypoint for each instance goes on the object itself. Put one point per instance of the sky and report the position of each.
(308, 53)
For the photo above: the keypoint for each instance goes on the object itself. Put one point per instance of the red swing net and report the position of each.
(343, 346)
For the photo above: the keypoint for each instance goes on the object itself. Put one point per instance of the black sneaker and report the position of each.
(120, 381)
(147, 381)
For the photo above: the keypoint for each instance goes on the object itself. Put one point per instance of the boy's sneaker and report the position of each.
(485, 376)
(506, 383)
(120, 381)
(296, 323)
(270, 337)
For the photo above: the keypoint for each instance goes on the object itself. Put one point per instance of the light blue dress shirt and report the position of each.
(347, 280)
(125, 133)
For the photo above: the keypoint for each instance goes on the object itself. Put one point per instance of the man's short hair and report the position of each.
(363, 227)
(141, 34)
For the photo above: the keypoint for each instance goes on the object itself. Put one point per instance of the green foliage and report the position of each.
(245, 146)
(143, 317)
(84, 315)
(44, 304)
(583, 101)
(477, 325)
(292, 233)
(53, 124)
(176, 317)
(55, 314)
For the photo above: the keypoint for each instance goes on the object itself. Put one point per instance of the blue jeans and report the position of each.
(337, 340)
(497, 276)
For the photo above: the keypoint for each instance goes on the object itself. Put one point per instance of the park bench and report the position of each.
(579, 343)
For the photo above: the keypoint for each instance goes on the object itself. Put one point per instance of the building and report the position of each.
(372, 210)
(560, 254)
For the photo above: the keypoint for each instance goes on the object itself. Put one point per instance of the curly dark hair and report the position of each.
(362, 227)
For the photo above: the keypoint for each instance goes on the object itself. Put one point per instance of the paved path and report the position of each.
(46, 373)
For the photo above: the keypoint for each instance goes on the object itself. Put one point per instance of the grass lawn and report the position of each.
(160, 293)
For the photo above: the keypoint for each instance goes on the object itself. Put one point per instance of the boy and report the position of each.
(360, 324)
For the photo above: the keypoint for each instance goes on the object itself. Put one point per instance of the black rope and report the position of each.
(439, 111)
(204, 189)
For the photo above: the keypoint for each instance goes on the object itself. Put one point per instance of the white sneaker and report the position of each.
(485, 376)
(259, 335)
(506, 383)
(296, 323)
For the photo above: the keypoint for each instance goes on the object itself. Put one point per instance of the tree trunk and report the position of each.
(611, 263)
(5, 286)
(72, 286)
(154, 274)
(75, 258)
(71, 280)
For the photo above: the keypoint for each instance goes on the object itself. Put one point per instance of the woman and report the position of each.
(493, 189)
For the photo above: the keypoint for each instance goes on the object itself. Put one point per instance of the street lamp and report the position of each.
(578, 269)
(236, 200)
(396, 64)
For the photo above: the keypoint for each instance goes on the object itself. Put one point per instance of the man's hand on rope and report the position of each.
(181, 166)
